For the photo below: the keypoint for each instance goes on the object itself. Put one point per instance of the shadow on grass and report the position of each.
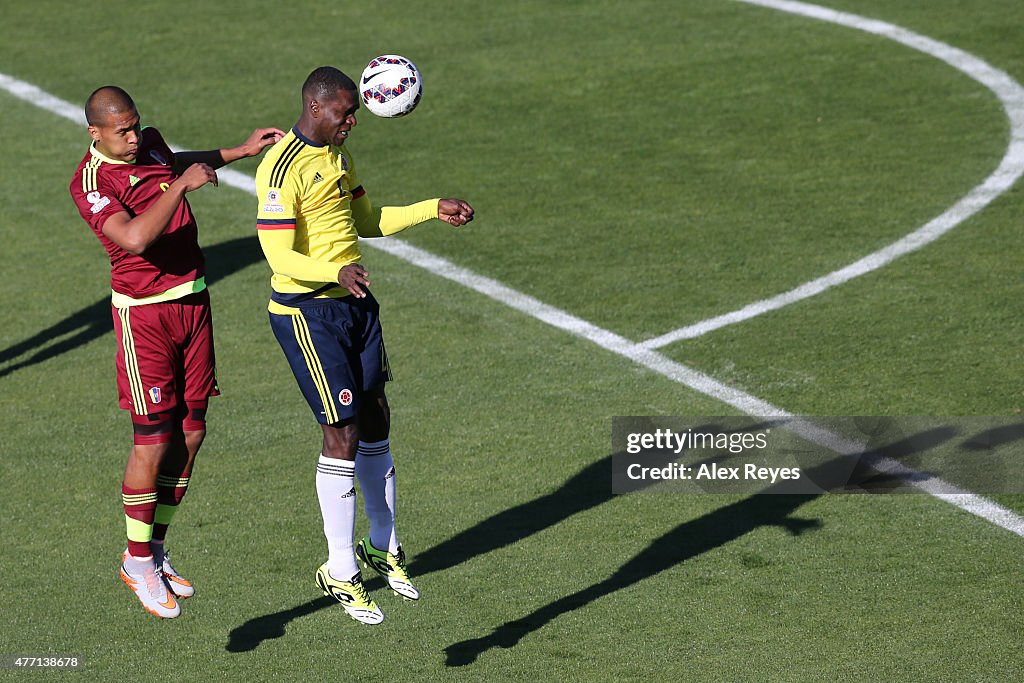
(249, 635)
(686, 541)
(589, 488)
(94, 320)
(692, 539)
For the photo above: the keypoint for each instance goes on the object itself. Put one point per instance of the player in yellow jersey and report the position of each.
(312, 212)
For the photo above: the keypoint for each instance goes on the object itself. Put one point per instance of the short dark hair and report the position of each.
(325, 82)
(108, 99)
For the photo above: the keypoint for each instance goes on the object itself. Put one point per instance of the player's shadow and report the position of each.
(694, 538)
(94, 320)
(249, 635)
(587, 489)
(995, 437)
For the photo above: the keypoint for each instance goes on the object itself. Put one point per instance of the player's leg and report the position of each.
(336, 493)
(195, 382)
(339, 577)
(153, 436)
(176, 470)
(375, 466)
(314, 341)
(144, 367)
(375, 469)
(139, 568)
(172, 484)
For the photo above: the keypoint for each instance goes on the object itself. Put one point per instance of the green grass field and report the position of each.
(640, 167)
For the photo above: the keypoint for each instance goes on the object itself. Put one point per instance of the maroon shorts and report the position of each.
(165, 354)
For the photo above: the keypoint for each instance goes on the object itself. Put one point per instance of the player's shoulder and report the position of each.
(345, 150)
(87, 174)
(153, 147)
(282, 160)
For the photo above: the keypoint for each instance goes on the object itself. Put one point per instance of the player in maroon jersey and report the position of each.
(130, 188)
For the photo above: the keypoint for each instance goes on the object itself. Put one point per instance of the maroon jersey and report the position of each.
(102, 187)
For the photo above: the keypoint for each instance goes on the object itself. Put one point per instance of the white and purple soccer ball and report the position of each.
(390, 86)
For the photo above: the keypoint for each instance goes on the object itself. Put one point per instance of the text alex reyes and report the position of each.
(713, 472)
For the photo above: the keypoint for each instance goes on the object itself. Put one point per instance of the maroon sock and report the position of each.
(169, 491)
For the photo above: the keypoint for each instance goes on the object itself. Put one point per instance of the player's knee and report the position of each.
(341, 440)
(153, 430)
(375, 416)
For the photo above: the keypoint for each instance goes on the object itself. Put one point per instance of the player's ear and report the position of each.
(314, 108)
(94, 133)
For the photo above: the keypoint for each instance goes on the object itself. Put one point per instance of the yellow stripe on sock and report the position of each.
(164, 513)
(140, 532)
(177, 482)
(138, 498)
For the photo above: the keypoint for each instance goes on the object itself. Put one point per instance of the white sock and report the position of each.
(335, 489)
(375, 468)
(138, 565)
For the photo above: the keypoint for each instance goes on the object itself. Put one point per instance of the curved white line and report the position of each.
(1010, 94)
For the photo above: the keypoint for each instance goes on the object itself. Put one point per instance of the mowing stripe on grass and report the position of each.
(638, 353)
(1010, 94)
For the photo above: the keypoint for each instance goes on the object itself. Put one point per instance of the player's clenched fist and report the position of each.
(197, 175)
(454, 211)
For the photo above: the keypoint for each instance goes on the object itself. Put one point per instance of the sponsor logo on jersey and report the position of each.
(345, 396)
(273, 197)
(317, 178)
(133, 181)
(273, 208)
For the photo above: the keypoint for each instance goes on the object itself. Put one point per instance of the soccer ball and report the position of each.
(390, 86)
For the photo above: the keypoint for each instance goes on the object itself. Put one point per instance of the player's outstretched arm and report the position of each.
(134, 235)
(388, 220)
(215, 158)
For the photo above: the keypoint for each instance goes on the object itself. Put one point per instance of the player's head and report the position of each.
(113, 123)
(329, 103)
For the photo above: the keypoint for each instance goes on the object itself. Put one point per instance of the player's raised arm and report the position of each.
(215, 158)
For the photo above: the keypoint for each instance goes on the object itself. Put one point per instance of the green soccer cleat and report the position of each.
(351, 595)
(389, 565)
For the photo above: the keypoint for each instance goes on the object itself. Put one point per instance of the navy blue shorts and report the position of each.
(335, 348)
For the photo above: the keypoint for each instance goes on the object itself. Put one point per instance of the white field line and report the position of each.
(648, 358)
(1006, 89)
